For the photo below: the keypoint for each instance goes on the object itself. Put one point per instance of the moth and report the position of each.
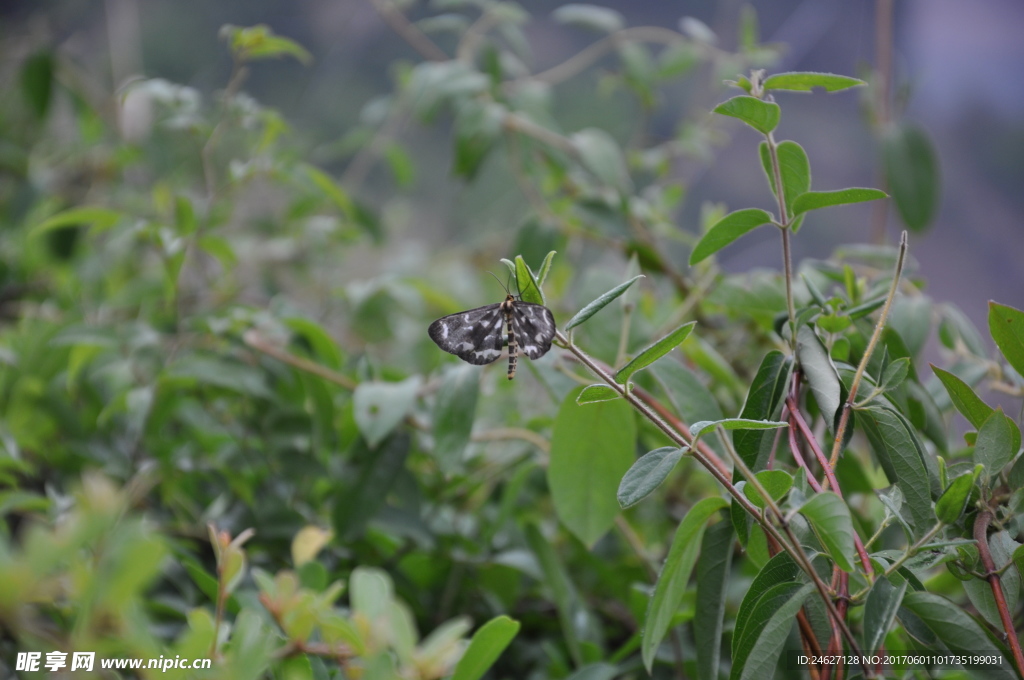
(475, 335)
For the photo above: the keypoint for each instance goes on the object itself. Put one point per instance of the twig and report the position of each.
(253, 339)
(981, 523)
(844, 419)
(408, 30)
(792, 545)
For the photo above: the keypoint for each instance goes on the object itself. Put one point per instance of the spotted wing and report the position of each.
(534, 328)
(474, 335)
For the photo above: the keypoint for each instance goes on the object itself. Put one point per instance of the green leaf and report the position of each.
(592, 17)
(821, 373)
(912, 175)
(994, 447)
(794, 168)
(325, 349)
(379, 407)
(592, 447)
(830, 520)
(602, 156)
(1007, 327)
(485, 647)
(259, 42)
(653, 352)
(808, 80)
(358, 501)
(477, 128)
(592, 394)
(776, 482)
(526, 282)
(779, 569)
(668, 591)
(691, 399)
(454, 412)
(880, 610)
(761, 115)
(713, 580)
(814, 200)
(646, 474)
(966, 401)
(764, 402)
(901, 456)
(572, 612)
(958, 631)
(727, 230)
(699, 428)
(37, 82)
(100, 219)
(219, 248)
(545, 268)
(895, 373)
(600, 303)
(432, 84)
(953, 501)
(756, 653)
(217, 372)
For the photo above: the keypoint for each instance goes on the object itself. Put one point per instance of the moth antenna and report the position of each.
(507, 291)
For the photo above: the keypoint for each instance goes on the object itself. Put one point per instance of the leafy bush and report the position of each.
(219, 417)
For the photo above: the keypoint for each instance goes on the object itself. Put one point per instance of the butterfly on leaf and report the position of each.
(476, 334)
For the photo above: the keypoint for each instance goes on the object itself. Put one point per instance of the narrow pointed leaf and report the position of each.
(764, 401)
(830, 519)
(808, 80)
(958, 631)
(880, 611)
(966, 401)
(646, 474)
(794, 168)
(912, 175)
(713, 579)
(594, 393)
(600, 303)
(1007, 327)
(485, 647)
(899, 453)
(653, 352)
(813, 200)
(771, 621)
(529, 290)
(994, 447)
(545, 267)
(699, 428)
(953, 501)
(761, 115)
(727, 230)
(671, 585)
(821, 373)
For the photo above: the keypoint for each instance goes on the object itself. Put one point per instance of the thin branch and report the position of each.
(505, 433)
(416, 38)
(981, 523)
(844, 419)
(253, 339)
(583, 59)
(792, 545)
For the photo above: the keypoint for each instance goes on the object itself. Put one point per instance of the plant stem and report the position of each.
(844, 418)
(792, 545)
(981, 523)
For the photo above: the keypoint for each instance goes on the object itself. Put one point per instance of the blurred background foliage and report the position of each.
(220, 249)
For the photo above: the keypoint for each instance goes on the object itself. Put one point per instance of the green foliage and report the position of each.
(225, 434)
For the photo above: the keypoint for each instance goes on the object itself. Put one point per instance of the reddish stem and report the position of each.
(981, 523)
